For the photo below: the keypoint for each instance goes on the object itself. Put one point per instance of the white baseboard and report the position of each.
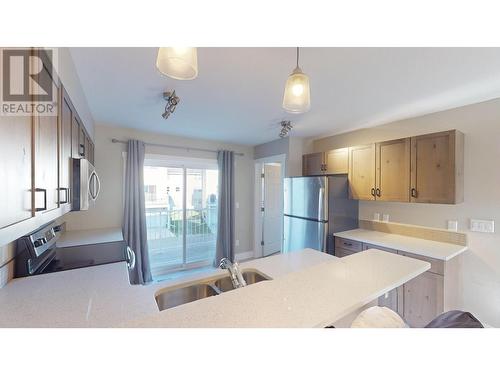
(244, 256)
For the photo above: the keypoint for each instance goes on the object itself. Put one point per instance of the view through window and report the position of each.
(181, 216)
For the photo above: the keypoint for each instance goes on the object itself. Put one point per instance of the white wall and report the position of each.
(481, 125)
(109, 163)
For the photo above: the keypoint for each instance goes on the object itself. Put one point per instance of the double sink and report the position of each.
(175, 296)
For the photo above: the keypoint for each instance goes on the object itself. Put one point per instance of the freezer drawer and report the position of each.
(302, 233)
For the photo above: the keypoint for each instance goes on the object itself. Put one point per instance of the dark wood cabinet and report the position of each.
(35, 160)
(15, 169)
(66, 141)
(46, 138)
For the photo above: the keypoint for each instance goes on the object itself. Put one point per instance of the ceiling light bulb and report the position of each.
(297, 90)
(178, 62)
(297, 95)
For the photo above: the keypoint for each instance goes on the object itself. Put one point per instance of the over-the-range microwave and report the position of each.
(86, 185)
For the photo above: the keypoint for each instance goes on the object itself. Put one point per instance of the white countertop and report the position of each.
(316, 296)
(432, 249)
(89, 237)
(101, 296)
(309, 289)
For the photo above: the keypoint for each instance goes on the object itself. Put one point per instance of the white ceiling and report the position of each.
(238, 92)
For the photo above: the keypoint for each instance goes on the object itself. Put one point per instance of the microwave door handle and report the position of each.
(98, 185)
(90, 187)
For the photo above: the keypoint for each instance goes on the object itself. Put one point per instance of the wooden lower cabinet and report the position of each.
(424, 297)
(390, 299)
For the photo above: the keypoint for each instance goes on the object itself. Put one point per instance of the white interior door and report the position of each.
(272, 220)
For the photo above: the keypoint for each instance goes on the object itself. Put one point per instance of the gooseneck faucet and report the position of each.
(234, 271)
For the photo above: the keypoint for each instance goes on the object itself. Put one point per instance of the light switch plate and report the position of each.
(485, 226)
(376, 216)
(237, 243)
(453, 225)
(385, 218)
(237, 204)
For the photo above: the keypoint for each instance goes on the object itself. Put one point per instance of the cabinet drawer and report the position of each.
(341, 252)
(348, 244)
(367, 246)
(437, 266)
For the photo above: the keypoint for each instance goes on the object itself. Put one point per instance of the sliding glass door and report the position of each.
(181, 214)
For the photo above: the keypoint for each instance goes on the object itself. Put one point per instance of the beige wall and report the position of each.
(481, 125)
(292, 147)
(109, 163)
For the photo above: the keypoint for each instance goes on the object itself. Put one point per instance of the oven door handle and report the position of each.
(131, 258)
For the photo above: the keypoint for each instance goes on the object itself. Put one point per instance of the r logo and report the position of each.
(23, 76)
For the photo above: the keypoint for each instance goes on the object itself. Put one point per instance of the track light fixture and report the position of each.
(286, 126)
(172, 101)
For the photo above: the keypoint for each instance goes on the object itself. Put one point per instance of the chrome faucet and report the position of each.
(234, 271)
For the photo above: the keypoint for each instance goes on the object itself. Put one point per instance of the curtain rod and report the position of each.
(114, 140)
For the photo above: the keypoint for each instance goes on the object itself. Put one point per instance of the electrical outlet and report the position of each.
(385, 218)
(453, 225)
(376, 216)
(485, 226)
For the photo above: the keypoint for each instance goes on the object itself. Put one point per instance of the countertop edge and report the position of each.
(391, 245)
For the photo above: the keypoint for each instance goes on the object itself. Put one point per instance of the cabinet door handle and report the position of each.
(44, 191)
(413, 192)
(379, 193)
(373, 191)
(66, 195)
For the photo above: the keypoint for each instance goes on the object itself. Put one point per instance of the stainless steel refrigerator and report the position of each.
(314, 209)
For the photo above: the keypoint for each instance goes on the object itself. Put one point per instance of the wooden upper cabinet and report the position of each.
(75, 137)
(326, 163)
(393, 170)
(362, 172)
(66, 141)
(15, 169)
(437, 168)
(82, 139)
(313, 164)
(337, 161)
(46, 150)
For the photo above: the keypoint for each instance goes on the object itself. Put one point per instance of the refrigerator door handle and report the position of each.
(321, 206)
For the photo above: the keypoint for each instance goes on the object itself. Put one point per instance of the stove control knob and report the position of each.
(39, 242)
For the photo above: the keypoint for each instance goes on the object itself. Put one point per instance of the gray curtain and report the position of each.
(134, 215)
(225, 215)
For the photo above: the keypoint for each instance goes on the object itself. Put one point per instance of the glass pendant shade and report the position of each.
(297, 96)
(178, 62)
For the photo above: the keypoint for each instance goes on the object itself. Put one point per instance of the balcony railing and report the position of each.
(165, 237)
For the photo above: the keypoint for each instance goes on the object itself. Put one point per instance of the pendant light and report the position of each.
(297, 96)
(178, 62)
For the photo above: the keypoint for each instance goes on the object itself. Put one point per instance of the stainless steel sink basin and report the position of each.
(175, 297)
(251, 277)
(172, 297)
